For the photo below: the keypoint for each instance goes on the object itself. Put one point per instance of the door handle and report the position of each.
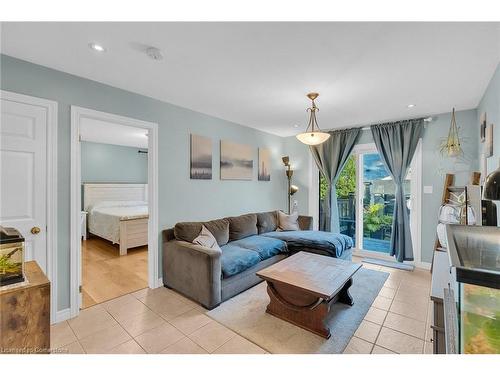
(35, 230)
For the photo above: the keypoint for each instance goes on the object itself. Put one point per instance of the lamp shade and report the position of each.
(492, 186)
(313, 138)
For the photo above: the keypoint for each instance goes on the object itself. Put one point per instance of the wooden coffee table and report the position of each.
(303, 287)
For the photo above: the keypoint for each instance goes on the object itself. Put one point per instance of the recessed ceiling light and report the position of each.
(411, 105)
(97, 47)
(296, 126)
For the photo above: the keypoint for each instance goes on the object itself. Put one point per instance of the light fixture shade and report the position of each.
(293, 189)
(313, 138)
(492, 186)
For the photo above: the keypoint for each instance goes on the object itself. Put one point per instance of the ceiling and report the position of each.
(98, 131)
(257, 74)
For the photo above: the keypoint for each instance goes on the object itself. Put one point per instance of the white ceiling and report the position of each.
(257, 74)
(92, 130)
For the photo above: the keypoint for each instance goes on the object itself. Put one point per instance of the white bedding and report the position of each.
(104, 217)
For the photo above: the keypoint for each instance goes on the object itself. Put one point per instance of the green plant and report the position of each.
(374, 220)
(346, 183)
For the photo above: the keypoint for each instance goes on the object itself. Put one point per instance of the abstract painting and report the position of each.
(488, 142)
(264, 165)
(482, 128)
(201, 158)
(236, 161)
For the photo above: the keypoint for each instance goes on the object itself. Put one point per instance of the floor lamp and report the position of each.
(292, 189)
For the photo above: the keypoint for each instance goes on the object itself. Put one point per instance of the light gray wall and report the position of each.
(179, 197)
(434, 166)
(112, 163)
(299, 159)
(490, 103)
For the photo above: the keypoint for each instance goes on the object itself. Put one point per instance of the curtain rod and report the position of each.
(428, 119)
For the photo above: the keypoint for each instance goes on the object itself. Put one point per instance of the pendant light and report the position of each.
(451, 146)
(313, 135)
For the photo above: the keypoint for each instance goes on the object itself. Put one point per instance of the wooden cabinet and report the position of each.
(25, 314)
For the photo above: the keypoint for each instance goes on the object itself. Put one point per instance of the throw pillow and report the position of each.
(288, 222)
(206, 239)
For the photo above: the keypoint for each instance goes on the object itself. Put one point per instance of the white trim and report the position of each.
(75, 251)
(51, 210)
(62, 315)
(159, 282)
(416, 209)
(423, 265)
(313, 192)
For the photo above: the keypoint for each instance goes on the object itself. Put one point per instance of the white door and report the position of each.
(23, 174)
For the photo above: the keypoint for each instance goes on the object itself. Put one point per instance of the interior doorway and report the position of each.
(114, 188)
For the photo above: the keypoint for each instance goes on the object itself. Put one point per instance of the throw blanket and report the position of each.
(333, 243)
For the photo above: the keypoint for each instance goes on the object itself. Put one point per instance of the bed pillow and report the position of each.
(105, 204)
(206, 239)
(288, 222)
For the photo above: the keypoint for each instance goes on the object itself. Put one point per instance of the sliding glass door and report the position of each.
(365, 199)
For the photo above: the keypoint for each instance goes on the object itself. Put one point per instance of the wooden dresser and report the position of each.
(25, 314)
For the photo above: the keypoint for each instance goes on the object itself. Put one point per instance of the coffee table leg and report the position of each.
(344, 295)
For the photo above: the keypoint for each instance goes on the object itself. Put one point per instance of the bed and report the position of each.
(117, 213)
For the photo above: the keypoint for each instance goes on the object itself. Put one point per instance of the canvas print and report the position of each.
(201, 158)
(488, 143)
(236, 161)
(264, 165)
(482, 128)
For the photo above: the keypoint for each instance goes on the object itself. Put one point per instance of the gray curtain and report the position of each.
(330, 157)
(396, 143)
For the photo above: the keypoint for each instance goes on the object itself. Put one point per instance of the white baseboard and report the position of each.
(62, 315)
(423, 265)
(159, 283)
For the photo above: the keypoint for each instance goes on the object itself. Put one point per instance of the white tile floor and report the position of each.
(162, 321)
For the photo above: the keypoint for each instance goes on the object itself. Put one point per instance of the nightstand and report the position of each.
(83, 224)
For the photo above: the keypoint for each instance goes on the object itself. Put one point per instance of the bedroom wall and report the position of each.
(112, 163)
(179, 197)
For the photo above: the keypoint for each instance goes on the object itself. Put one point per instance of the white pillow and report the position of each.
(107, 204)
(288, 222)
(206, 239)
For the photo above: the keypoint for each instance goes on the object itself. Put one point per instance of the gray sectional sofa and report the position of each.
(248, 244)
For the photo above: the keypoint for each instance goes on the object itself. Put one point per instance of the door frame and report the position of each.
(77, 113)
(51, 197)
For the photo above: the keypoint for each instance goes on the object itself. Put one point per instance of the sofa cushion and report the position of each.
(266, 247)
(236, 259)
(332, 243)
(288, 222)
(206, 239)
(188, 231)
(267, 221)
(242, 226)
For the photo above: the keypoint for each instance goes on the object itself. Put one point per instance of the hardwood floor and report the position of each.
(107, 275)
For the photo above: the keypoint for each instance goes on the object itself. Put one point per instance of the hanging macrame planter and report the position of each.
(451, 146)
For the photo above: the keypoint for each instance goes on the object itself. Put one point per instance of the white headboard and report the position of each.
(95, 193)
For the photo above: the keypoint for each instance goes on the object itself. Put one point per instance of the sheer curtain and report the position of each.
(396, 143)
(330, 157)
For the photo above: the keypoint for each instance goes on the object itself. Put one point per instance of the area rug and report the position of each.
(246, 315)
